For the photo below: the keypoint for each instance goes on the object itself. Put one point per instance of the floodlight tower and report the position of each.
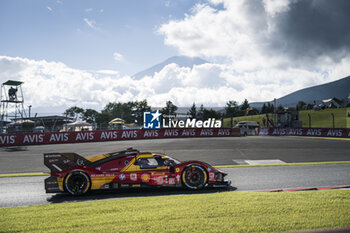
(12, 102)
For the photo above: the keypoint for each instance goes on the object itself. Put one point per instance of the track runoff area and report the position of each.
(253, 164)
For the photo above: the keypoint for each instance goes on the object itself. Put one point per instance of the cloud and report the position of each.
(52, 87)
(263, 34)
(90, 23)
(88, 10)
(108, 72)
(118, 57)
(49, 8)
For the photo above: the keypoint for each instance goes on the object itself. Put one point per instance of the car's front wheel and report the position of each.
(77, 183)
(194, 177)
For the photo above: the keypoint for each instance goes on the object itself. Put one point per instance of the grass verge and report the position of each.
(218, 212)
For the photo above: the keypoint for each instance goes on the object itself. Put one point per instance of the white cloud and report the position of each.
(90, 23)
(53, 86)
(118, 57)
(49, 8)
(108, 72)
(88, 10)
(254, 34)
(273, 7)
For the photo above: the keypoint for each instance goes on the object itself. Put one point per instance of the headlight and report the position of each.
(218, 176)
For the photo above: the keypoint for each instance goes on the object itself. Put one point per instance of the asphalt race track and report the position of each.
(23, 191)
(215, 151)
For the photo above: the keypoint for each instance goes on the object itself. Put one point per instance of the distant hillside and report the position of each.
(339, 89)
(181, 61)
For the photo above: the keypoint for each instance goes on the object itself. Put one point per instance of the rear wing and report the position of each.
(58, 162)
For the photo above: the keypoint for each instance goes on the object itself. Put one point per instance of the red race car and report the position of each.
(77, 175)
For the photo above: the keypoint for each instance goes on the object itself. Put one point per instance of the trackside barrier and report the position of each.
(312, 132)
(111, 135)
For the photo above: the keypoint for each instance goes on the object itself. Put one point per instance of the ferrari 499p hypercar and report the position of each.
(77, 175)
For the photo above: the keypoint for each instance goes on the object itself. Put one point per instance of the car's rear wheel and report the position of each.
(77, 183)
(194, 177)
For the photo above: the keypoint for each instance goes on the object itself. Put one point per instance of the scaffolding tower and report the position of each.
(12, 103)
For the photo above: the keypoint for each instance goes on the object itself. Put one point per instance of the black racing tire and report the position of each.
(194, 177)
(77, 183)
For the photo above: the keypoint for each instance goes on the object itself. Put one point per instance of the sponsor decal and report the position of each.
(80, 162)
(66, 161)
(107, 135)
(126, 162)
(178, 178)
(209, 169)
(53, 160)
(53, 156)
(177, 169)
(101, 175)
(84, 136)
(7, 139)
(211, 176)
(122, 176)
(133, 176)
(145, 177)
(124, 185)
(98, 168)
(151, 120)
(171, 180)
(334, 133)
(36, 138)
(159, 180)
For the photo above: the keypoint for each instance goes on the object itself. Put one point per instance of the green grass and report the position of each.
(219, 212)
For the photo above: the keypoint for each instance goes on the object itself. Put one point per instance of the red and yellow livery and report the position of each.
(77, 175)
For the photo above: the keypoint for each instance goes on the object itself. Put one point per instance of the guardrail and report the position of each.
(112, 135)
(312, 132)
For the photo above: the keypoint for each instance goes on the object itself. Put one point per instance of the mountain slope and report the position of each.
(181, 61)
(339, 89)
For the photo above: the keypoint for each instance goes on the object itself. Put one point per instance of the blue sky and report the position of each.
(59, 31)
(83, 53)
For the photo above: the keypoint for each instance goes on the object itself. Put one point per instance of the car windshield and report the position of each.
(173, 160)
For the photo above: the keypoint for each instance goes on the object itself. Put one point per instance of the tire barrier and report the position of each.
(23, 139)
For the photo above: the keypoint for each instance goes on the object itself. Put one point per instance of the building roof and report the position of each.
(12, 83)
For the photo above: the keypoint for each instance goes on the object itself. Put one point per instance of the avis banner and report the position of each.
(311, 132)
(111, 135)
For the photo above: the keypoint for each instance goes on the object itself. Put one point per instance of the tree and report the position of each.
(102, 119)
(301, 105)
(270, 108)
(193, 111)
(120, 110)
(200, 113)
(211, 113)
(169, 108)
(231, 109)
(243, 107)
(264, 109)
(75, 112)
(139, 108)
(89, 115)
(280, 108)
